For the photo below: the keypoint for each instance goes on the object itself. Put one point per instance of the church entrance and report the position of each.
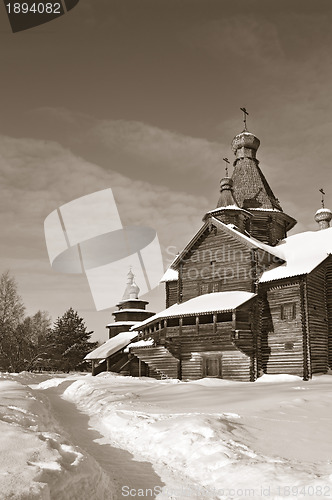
(212, 364)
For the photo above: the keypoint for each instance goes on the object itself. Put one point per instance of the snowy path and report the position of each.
(117, 463)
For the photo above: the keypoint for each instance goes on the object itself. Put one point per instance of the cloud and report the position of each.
(38, 176)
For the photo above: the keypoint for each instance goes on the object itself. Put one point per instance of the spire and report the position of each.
(323, 216)
(250, 186)
(132, 290)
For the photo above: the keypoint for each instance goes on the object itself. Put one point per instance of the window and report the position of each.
(288, 311)
(208, 287)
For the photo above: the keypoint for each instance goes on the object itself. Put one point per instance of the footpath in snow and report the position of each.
(145, 438)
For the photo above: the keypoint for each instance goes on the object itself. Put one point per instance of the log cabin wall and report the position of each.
(329, 306)
(264, 325)
(171, 293)
(217, 260)
(317, 319)
(285, 341)
(198, 344)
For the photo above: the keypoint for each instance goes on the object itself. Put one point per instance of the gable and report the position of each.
(227, 229)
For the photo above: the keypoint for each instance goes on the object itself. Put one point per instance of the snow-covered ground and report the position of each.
(205, 439)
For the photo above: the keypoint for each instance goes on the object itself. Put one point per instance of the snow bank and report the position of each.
(222, 435)
(36, 459)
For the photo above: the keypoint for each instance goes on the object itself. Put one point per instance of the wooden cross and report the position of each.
(323, 194)
(245, 114)
(226, 160)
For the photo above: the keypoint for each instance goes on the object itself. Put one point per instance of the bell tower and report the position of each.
(268, 223)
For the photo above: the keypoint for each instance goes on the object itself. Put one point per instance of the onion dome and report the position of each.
(323, 217)
(245, 145)
(226, 198)
(134, 291)
(131, 288)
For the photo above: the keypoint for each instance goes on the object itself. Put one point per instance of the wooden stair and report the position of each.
(159, 359)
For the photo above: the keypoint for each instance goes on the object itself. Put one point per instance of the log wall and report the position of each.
(195, 344)
(284, 350)
(317, 319)
(216, 257)
(171, 293)
(329, 307)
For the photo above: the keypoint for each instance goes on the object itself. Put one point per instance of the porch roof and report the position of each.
(112, 346)
(203, 304)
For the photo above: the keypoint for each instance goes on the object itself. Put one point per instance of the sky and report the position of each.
(144, 97)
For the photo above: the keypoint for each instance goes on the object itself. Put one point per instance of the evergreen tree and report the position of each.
(69, 342)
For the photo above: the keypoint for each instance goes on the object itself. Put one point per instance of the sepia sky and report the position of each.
(143, 96)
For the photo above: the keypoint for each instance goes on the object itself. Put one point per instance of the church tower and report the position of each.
(131, 309)
(268, 223)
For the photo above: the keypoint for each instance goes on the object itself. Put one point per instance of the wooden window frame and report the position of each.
(282, 311)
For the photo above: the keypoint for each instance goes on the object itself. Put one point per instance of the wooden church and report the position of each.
(242, 298)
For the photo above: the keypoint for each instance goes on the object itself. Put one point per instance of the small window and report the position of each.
(289, 346)
(208, 287)
(288, 311)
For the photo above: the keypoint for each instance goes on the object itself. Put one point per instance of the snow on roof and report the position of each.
(112, 345)
(302, 253)
(228, 207)
(170, 275)
(249, 239)
(322, 210)
(266, 209)
(203, 304)
(140, 343)
(122, 323)
(129, 310)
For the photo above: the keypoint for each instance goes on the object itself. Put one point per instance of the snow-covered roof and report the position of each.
(170, 275)
(112, 345)
(140, 343)
(203, 304)
(323, 210)
(302, 253)
(122, 323)
(234, 231)
(227, 207)
(249, 240)
(129, 310)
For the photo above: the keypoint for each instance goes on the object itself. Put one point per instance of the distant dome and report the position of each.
(134, 291)
(245, 140)
(323, 216)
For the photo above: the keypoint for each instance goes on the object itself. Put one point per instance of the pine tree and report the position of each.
(69, 342)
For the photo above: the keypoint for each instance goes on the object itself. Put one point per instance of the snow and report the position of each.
(230, 207)
(209, 438)
(323, 210)
(123, 323)
(302, 253)
(223, 435)
(249, 239)
(36, 460)
(129, 310)
(203, 304)
(170, 275)
(112, 345)
(140, 343)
